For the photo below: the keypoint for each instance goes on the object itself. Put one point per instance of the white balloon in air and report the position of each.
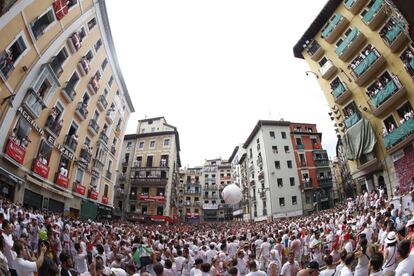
(232, 194)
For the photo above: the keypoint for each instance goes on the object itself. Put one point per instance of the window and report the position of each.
(160, 210)
(141, 145)
(280, 182)
(281, 201)
(166, 142)
(289, 164)
(79, 175)
(164, 160)
(298, 141)
(92, 23)
(294, 200)
(308, 197)
(111, 80)
(129, 145)
(71, 3)
(250, 153)
(98, 45)
(40, 24)
(283, 135)
(274, 149)
(11, 56)
(152, 144)
(287, 149)
(74, 79)
(292, 181)
(106, 191)
(104, 64)
(149, 161)
(314, 141)
(272, 134)
(57, 62)
(277, 164)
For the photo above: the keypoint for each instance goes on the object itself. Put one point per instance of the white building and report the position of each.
(274, 186)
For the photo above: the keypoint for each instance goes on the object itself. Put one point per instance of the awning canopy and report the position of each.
(359, 139)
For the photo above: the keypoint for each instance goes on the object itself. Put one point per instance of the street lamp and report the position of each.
(311, 72)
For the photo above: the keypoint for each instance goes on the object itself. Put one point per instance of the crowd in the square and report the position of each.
(369, 235)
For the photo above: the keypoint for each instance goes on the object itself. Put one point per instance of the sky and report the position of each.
(214, 68)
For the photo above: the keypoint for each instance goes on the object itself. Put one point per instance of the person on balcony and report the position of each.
(42, 158)
(25, 141)
(62, 170)
(391, 127)
(7, 62)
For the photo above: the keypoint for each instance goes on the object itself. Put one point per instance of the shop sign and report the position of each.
(15, 151)
(146, 198)
(62, 181)
(41, 169)
(41, 131)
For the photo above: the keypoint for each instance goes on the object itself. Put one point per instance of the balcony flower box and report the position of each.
(74, 42)
(93, 85)
(79, 188)
(62, 181)
(93, 194)
(60, 8)
(15, 151)
(84, 66)
(40, 168)
(105, 200)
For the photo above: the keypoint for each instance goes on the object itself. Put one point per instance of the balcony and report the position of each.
(113, 150)
(302, 163)
(93, 85)
(400, 137)
(210, 206)
(389, 96)
(354, 6)
(93, 127)
(150, 175)
(409, 65)
(300, 146)
(367, 162)
(321, 162)
(84, 66)
(110, 114)
(365, 69)
(71, 142)
(341, 93)
(102, 103)
(307, 184)
(82, 111)
(375, 15)
(327, 70)
(315, 51)
(97, 165)
(334, 28)
(69, 93)
(74, 42)
(393, 34)
(352, 120)
(210, 187)
(350, 45)
(325, 183)
(85, 155)
(53, 125)
(103, 137)
(33, 103)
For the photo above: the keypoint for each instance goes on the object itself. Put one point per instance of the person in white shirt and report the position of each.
(264, 253)
(24, 267)
(8, 244)
(80, 259)
(375, 264)
(212, 252)
(291, 267)
(254, 271)
(197, 267)
(346, 270)
(406, 264)
(330, 268)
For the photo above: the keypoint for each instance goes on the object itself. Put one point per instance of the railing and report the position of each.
(321, 162)
(56, 66)
(69, 92)
(399, 134)
(392, 30)
(103, 101)
(367, 18)
(113, 149)
(347, 41)
(94, 125)
(6, 5)
(108, 175)
(34, 103)
(352, 120)
(97, 164)
(82, 110)
(364, 64)
(326, 67)
(331, 25)
(300, 146)
(313, 48)
(104, 137)
(71, 142)
(389, 89)
(349, 3)
(149, 173)
(338, 90)
(192, 192)
(85, 155)
(54, 125)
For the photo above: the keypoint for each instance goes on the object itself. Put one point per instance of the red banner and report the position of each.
(15, 151)
(105, 200)
(193, 215)
(146, 198)
(61, 9)
(80, 189)
(93, 195)
(160, 218)
(62, 181)
(41, 169)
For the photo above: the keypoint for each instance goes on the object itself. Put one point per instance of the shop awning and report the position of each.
(359, 139)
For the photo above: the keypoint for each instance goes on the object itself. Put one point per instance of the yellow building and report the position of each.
(64, 106)
(362, 55)
(149, 172)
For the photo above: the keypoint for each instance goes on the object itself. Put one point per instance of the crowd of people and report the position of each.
(367, 236)
(361, 58)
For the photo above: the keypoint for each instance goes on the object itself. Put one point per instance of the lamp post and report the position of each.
(313, 73)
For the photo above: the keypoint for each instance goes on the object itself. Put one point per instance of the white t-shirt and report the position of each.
(406, 266)
(289, 269)
(25, 268)
(265, 248)
(80, 263)
(327, 272)
(257, 273)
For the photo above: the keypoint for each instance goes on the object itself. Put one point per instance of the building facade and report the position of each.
(148, 172)
(273, 174)
(362, 55)
(313, 167)
(189, 194)
(239, 177)
(64, 106)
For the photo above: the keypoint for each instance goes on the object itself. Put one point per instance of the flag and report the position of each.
(137, 256)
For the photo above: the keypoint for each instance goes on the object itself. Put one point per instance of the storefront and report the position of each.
(8, 184)
(89, 210)
(104, 212)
